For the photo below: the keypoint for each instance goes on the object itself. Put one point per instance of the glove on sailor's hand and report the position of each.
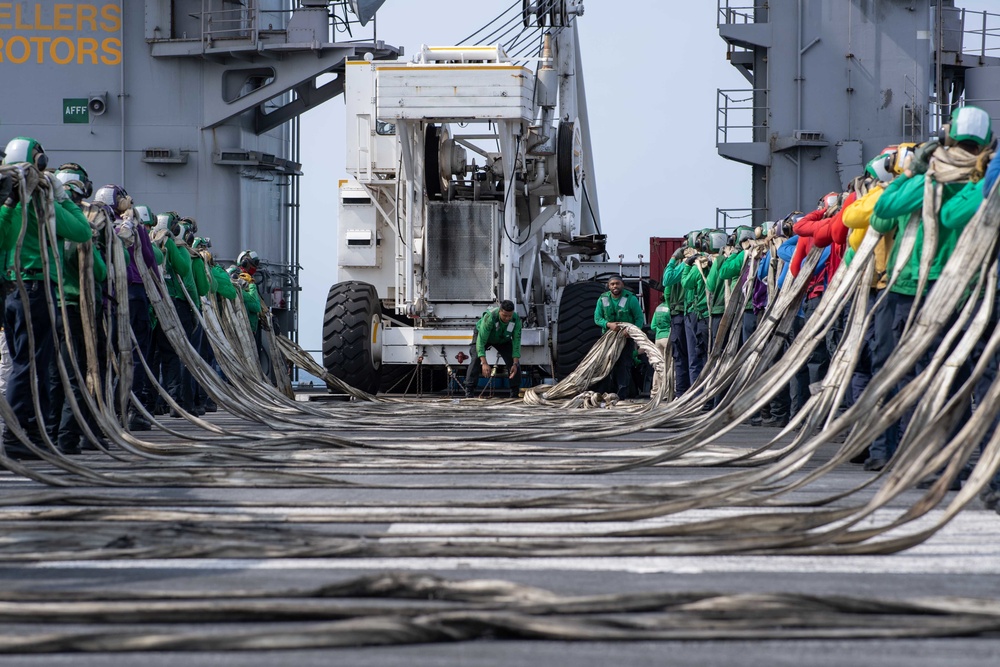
(7, 185)
(691, 260)
(58, 189)
(921, 157)
(678, 254)
(14, 194)
(125, 230)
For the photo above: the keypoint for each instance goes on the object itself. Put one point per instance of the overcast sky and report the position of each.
(652, 69)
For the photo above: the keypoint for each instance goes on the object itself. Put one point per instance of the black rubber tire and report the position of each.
(351, 309)
(567, 161)
(575, 330)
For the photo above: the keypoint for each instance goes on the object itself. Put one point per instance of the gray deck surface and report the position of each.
(963, 559)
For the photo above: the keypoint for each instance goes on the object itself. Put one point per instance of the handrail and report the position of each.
(735, 105)
(982, 40)
(724, 215)
(737, 11)
(238, 23)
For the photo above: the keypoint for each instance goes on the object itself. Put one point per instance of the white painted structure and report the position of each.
(467, 184)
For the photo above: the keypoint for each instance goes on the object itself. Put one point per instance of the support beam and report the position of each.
(307, 96)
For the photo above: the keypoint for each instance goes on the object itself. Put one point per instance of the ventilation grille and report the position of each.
(462, 254)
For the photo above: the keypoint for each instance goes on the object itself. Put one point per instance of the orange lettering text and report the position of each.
(62, 17)
(112, 18)
(25, 50)
(86, 14)
(39, 22)
(111, 46)
(17, 19)
(54, 50)
(86, 46)
(40, 43)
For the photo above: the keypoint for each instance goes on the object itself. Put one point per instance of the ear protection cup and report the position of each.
(41, 161)
(943, 135)
(115, 197)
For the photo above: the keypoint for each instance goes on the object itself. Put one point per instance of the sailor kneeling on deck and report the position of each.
(499, 328)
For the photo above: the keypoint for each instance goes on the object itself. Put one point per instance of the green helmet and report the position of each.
(702, 242)
(145, 215)
(880, 167)
(691, 239)
(167, 221)
(201, 242)
(74, 178)
(970, 124)
(25, 149)
(741, 234)
(184, 233)
(715, 240)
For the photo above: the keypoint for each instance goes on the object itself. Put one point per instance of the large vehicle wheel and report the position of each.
(352, 335)
(575, 331)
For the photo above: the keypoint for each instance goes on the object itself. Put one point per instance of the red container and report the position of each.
(660, 250)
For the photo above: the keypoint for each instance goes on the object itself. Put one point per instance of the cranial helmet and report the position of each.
(691, 240)
(201, 242)
(144, 215)
(248, 259)
(26, 149)
(715, 240)
(191, 223)
(741, 234)
(115, 197)
(184, 232)
(968, 124)
(74, 178)
(897, 162)
(880, 167)
(167, 221)
(702, 241)
(829, 199)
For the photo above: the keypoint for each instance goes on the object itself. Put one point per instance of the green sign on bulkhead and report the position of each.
(75, 110)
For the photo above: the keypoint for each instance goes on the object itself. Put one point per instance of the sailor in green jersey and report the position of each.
(619, 305)
(219, 285)
(731, 268)
(951, 168)
(499, 328)
(69, 436)
(660, 324)
(70, 225)
(176, 268)
(196, 285)
(673, 272)
(696, 321)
